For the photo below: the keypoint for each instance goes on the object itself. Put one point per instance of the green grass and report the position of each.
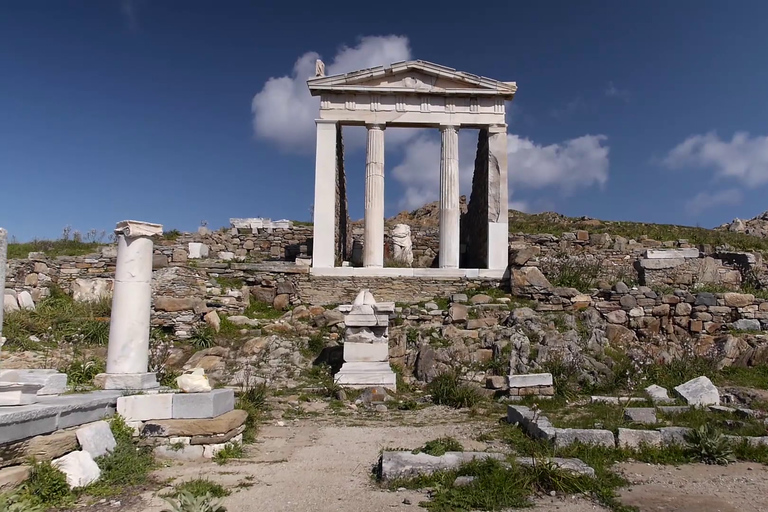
(229, 452)
(572, 271)
(58, 319)
(261, 309)
(171, 234)
(438, 447)
(46, 486)
(697, 417)
(232, 283)
(252, 398)
(448, 389)
(81, 371)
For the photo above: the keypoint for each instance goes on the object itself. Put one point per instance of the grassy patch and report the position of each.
(320, 376)
(438, 447)
(81, 371)
(201, 487)
(58, 319)
(696, 418)
(203, 336)
(253, 400)
(448, 389)
(231, 283)
(572, 271)
(52, 248)
(46, 486)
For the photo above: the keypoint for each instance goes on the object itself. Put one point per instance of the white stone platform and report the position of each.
(432, 273)
(360, 375)
(52, 413)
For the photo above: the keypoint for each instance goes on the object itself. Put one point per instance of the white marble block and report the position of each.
(157, 406)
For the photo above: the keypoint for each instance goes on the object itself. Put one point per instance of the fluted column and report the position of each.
(373, 248)
(449, 197)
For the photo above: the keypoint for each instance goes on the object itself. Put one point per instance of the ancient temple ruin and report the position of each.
(413, 94)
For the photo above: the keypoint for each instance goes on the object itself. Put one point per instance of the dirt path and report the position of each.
(324, 463)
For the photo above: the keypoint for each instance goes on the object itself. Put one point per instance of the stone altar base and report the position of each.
(360, 375)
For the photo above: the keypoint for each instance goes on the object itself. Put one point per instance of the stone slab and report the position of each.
(16, 393)
(671, 253)
(218, 438)
(358, 375)
(658, 394)
(632, 438)
(82, 408)
(202, 405)
(53, 382)
(146, 407)
(673, 409)
(96, 438)
(80, 468)
(615, 400)
(674, 435)
(17, 423)
(567, 436)
(530, 379)
(661, 264)
(699, 392)
(41, 448)
(195, 427)
(366, 352)
(643, 415)
(403, 464)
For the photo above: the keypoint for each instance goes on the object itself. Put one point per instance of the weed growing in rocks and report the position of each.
(16, 503)
(572, 272)
(230, 451)
(252, 398)
(81, 371)
(448, 389)
(203, 336)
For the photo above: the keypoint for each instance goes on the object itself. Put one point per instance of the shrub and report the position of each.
(710, 446)
(253, 400)
(46, 486)
(186, 502)
(447, 389)
(203, 336)
(17, 503)
(80, 372)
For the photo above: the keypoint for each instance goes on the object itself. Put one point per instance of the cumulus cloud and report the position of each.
(706, 200)
(566, 167)
(284, 111)
(743, 158)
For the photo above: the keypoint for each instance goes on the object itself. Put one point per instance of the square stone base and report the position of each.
(128, 381)
(52, 381)
(359, 375)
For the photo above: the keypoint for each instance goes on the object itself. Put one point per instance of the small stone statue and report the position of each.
(319, 68)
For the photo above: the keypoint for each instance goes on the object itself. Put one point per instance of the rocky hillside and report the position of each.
(757, 226)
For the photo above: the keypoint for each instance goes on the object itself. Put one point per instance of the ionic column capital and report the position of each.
(449, 127)
(137, 228)
(376, 127)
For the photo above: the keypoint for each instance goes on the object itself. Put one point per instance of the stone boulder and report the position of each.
(79, 467)
(91, 290)
(699, 392)
(96, 438)
(529, 277)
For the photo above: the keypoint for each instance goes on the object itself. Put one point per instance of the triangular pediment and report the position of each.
(412, 77)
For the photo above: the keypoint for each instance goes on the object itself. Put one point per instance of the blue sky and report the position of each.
(177, 112)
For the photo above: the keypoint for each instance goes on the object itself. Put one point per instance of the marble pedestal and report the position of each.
(366, 344)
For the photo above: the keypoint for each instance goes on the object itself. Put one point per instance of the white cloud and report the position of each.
(574, 164)
(743, 158)
(284, 111)
(614, 92)
(571, 165)
(706, 200)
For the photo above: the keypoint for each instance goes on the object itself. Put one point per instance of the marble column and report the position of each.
(3, 259)
(324, 208)
(373, 248)
(128, 350)
(449, 198)
(498, 199)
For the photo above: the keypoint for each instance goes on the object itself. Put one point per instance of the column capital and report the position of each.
(497, 128)
(444, 127)
(376, 126)
(326, 121)
(137, 228)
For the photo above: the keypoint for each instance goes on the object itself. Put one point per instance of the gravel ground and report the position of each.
(323, 463)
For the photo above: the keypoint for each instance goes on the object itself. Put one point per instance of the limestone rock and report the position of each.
(658, 394)
(10, 304)
(699, 391)
(174, 304)
(25, 301)
(90, 290)
(458, 313)
(212, 318)
(402, 464)
(529, 276)
(481, 298)
(644, 415)
(194, 381)
(96, 438)
(738, 300)
(616, 317)
(41, 448)
(281, 302)
(631, 438)
(79, 467)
